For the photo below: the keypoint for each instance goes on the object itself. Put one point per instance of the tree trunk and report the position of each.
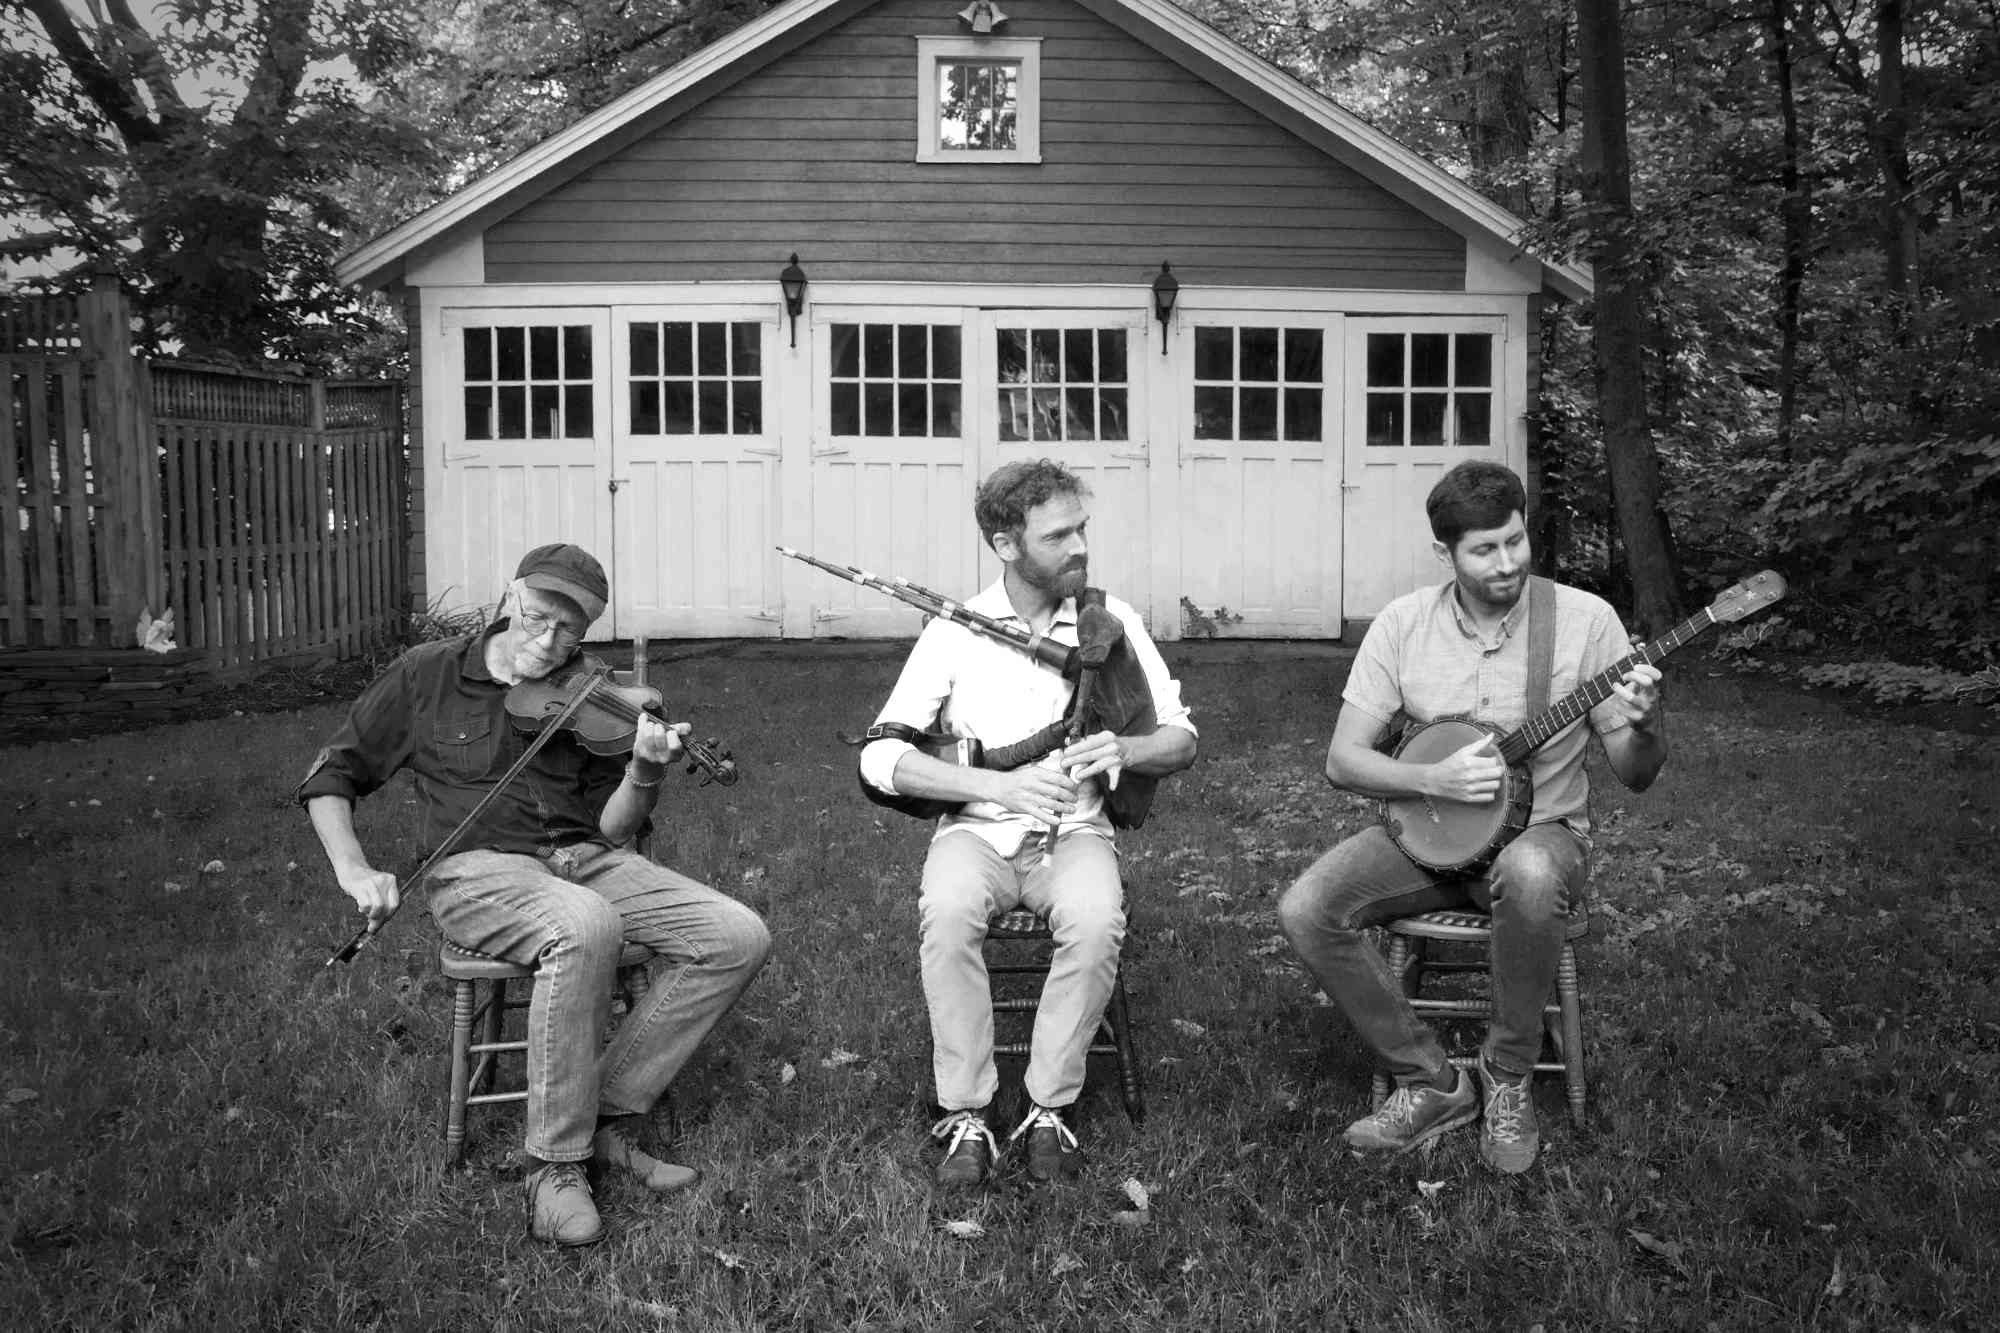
(1795, 217)
(1892, 154)
(1630, 461)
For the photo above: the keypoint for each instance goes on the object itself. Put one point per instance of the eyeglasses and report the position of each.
(536, 624)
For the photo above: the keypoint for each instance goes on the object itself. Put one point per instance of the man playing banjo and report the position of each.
(1465, 648)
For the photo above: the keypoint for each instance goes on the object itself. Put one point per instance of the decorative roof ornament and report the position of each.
(982, 16)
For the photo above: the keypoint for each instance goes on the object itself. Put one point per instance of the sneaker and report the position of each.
(1414, 1115)
(969, 1149)
(560, 1209)
(1052, 1150)
(616, 1144)
(1508, 1137)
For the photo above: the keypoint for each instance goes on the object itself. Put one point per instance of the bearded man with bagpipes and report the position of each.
(1030, 721)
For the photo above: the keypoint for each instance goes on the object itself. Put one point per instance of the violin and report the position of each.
(607, 721)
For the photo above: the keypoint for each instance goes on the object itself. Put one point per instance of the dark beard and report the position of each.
(1056, 584)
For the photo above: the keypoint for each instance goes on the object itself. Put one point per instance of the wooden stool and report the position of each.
(1409, 949)
(1114, 1028)
(472, 1064)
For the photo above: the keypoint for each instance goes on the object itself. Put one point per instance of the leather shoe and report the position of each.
(1052, 1150)
(560, 1209)
(616, 1144)
(969, 1150)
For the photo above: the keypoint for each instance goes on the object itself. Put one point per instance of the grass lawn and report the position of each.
(1789, 991)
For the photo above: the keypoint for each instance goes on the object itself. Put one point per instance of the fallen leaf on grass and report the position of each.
(1132, 1217)
(734, 1263)
(213, 868)
(1189, 1029)
(17, 1096)
(839, 1058)
(1430, 1189)
(788, 1073)
(172, 886)
(1670, 1250)
(964, 1228)
(1065, 1263)
(651, 1309)
(1836, 1281)
(1141, 1198)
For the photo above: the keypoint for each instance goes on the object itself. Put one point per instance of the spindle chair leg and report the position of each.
(461, 1056)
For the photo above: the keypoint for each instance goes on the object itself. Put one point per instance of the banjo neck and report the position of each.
(1552, 721)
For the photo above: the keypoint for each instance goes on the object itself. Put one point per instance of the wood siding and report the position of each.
(1142, 161)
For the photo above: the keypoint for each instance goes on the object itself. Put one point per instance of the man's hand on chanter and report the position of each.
(1038, 792)
(1100, 752)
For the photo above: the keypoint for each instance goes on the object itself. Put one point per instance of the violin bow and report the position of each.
(347, 951)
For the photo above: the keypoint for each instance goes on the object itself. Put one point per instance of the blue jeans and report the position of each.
(1366, 881)
(965, 883)
(568, 914)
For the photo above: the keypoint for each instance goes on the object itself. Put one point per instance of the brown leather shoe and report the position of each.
(1052, 1150)
(969, 1150)
(616, 1144)
(560, 1209)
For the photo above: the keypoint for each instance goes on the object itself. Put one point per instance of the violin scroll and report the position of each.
(711, 758)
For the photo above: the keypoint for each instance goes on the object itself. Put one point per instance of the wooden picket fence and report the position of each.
(268, 511)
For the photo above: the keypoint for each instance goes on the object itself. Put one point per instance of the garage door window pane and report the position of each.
(1439, 385)
(527, 381)
(705, 374)
(1259, 382)
(894, 380)
(1074, 382)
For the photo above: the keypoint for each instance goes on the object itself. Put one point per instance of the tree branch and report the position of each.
(114, 97)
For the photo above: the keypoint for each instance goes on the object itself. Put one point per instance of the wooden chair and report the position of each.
(1020, 943)
(1410, 943)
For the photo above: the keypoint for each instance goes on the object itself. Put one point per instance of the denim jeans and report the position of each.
(965, 882)
(568, 913)
(1366, 881)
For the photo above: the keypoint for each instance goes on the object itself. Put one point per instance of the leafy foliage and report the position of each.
(202, 152)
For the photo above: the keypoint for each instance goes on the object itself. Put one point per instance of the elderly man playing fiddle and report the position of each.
(545, 878)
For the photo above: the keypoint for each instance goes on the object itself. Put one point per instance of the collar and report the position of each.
(1508, 623)
(992, 600)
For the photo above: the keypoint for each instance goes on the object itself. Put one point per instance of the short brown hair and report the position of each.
(1004, 499)
(1472, 497)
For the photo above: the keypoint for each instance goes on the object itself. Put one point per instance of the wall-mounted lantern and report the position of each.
(1166, 290)
(793, 280)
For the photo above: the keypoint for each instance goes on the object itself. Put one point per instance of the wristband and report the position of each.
(632, 776)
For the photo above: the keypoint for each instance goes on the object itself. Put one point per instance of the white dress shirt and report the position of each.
(963, 682)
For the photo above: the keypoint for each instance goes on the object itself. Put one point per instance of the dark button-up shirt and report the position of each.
(440, 713)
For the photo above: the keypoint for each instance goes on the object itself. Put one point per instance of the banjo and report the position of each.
(1457, 838)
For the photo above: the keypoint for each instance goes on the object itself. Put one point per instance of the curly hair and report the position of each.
(1472, 497)
(1004, 499)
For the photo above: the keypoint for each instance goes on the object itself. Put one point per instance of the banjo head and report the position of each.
(1450, 837)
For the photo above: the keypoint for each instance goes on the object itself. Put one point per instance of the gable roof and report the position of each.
(1314, 118)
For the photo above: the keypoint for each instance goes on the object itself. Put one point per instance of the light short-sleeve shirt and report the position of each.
(981, 688)
(1423, 657)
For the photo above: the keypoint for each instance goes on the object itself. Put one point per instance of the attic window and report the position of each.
(979, 99)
